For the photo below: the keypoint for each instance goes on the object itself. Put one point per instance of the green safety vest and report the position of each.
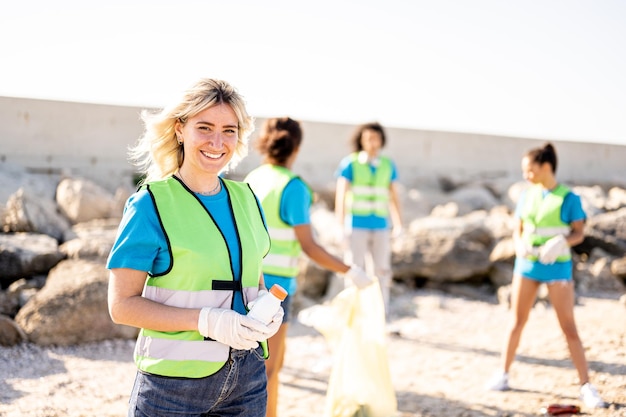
(268, 183)
(199, 275)
(541, 217)
(369, 191)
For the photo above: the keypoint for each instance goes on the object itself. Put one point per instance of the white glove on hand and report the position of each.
(523, 249)
(397, 232)
(551, 250)
(358, 277)
(231, 328)
(275, 324)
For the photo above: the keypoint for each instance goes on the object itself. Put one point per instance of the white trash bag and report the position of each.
(353, 324)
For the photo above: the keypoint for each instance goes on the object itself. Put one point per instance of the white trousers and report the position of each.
(371, 250)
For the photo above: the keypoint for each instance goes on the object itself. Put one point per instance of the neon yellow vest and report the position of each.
(200, 275)
(369, 191)
(268, 183)
(542, 217)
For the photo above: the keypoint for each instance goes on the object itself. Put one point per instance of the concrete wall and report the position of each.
(91, 140)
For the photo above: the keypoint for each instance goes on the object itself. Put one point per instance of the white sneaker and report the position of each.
(590, 397)
(498, 382)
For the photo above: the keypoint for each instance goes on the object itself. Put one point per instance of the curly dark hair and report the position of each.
(278, 139)
(355, 141)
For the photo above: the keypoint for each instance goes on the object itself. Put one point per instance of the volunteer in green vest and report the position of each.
(550, 219)
(367, 204)
(286, 200)
(187, 262)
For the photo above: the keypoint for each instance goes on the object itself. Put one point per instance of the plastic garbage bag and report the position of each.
(353, 324)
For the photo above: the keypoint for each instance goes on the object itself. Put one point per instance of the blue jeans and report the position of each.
(236, 390)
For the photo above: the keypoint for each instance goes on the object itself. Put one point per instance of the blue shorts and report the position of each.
(558, 271)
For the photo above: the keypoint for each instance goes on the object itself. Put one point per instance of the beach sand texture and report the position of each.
(447, 348)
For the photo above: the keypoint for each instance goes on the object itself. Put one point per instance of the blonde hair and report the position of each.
(157, 153)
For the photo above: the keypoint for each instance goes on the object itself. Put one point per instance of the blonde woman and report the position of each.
(187, 261)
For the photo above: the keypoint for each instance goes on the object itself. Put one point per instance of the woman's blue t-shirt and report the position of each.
(141, 244)
(371, 222)
(571, 211)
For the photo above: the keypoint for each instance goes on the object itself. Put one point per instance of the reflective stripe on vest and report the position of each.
(268, 183)
(369, 191)
(541, 218)
(200, 275)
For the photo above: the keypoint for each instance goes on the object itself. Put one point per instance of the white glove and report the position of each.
(552, 249)
(397, 232)
(523, 249)
(358, 277)
(275, 324)
(231, 328)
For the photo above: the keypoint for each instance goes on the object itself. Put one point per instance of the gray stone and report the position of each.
(72, 307)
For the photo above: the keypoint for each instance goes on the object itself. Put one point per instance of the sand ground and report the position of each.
(446, 350)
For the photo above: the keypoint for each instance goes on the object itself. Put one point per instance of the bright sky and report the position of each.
(547, 69)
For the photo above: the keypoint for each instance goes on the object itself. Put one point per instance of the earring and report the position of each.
(180, 142)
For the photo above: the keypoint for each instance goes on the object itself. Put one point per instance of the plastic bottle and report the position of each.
(266, 307)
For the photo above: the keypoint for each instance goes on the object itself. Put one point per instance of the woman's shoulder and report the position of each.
(140, 201)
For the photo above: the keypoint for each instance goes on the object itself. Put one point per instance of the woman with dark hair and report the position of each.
(550, 219)
(367, 203)
(286, 200)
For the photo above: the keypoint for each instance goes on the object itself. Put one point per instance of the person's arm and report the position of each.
(317, 253)
(127, 306)
(343, 186)
(576, 235)
(395, 210)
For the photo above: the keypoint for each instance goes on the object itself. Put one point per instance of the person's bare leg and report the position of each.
(273, 365)
(523, 293)
(562, 298)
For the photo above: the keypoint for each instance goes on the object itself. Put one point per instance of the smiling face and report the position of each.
(209, 139)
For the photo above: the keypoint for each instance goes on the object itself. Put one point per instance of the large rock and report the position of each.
(10, 332)
(595, 275)
(72, 307)
(91, 240)
(444, 249)
(26, 255)
(616, 199)
(18, 294)
(606, 231)
(29, 212)
(82, 200)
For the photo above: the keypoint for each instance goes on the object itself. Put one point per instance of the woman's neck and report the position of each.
(550, 183)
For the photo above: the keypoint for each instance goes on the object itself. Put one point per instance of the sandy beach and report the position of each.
(447, 347)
